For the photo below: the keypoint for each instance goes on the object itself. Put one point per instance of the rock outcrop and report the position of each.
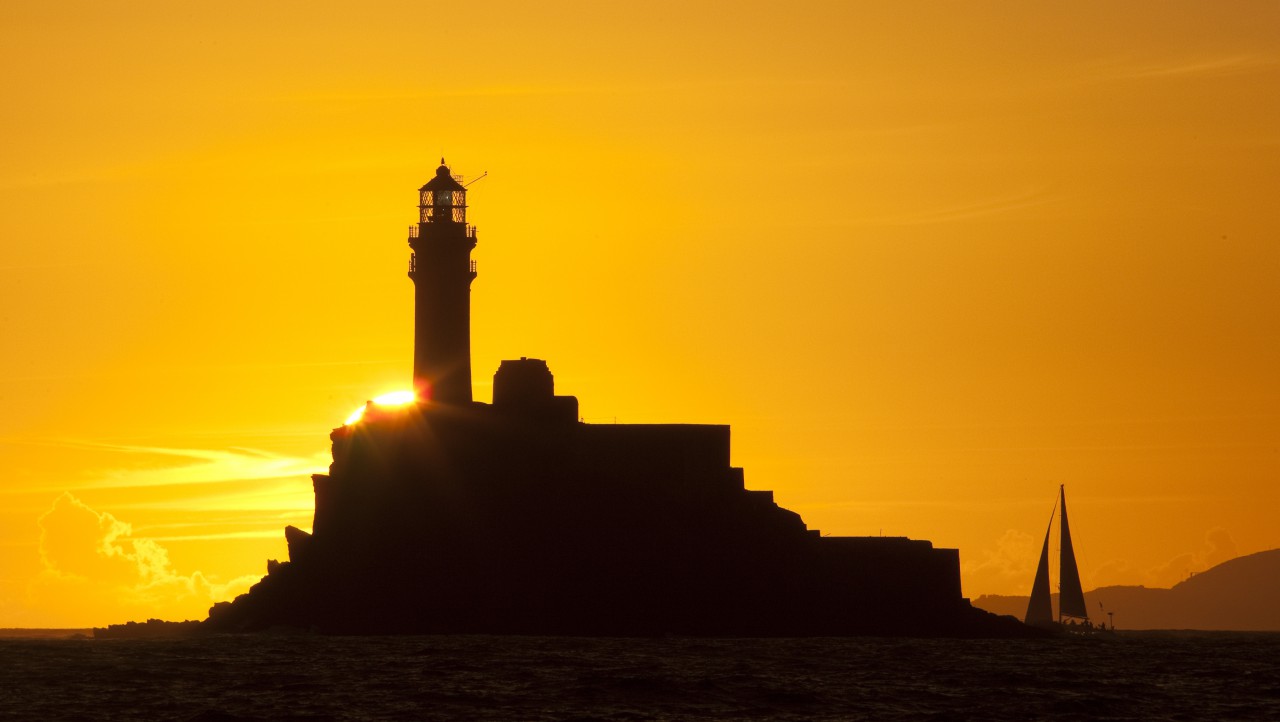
(516, 518)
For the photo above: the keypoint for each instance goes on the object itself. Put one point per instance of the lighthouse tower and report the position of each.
(442, 271)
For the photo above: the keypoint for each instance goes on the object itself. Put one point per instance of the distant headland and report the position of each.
(1242, 594)
(444, 514)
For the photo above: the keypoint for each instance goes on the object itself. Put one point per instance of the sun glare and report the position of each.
(394, 398)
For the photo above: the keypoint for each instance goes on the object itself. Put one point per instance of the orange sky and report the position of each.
(930, 260)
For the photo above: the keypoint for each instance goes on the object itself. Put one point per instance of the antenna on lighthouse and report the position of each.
(473, 180)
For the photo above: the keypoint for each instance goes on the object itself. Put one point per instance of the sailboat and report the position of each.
(1072, 612)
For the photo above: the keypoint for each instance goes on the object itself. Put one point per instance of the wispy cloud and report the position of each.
(1198, 67)
(633, 87)
(272, 533)
(410, 94)
(208, 466)
(100, 175)
(193, 467)
(971, 210)
(254, 499)
(150, 371)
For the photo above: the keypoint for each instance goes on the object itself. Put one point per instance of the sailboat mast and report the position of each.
(1062, 503)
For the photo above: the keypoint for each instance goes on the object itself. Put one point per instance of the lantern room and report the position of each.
(443, 199)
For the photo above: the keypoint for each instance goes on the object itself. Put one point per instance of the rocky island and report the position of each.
(447, 515)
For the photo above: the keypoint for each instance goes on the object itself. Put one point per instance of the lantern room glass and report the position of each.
(450, 205)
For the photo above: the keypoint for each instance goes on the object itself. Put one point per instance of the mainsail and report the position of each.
(1071, 598)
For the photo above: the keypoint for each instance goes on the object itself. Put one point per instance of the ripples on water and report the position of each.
(1187, 677)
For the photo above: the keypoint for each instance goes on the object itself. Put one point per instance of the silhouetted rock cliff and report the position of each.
(516, 518)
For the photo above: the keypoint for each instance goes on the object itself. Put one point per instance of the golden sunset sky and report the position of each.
(929, 260)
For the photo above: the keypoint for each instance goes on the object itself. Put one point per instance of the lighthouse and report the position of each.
(441, 269)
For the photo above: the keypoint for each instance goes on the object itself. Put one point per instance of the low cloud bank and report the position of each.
(96, 571)
(1218, 548)
(1008, 569)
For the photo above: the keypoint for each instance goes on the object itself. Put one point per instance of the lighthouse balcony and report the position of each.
(415, 232)
(413, 265)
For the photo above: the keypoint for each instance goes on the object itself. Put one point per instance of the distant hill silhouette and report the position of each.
(1241, 595)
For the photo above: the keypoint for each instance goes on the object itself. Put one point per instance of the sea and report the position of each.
(1135, 676)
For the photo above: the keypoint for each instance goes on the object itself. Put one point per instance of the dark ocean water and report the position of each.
(1147, 677)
